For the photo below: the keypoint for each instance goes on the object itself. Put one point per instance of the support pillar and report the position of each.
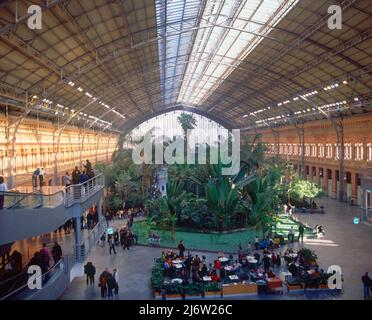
(301, 137)
(334, 183)
(100, 215)
(354, 188)
(339, 127)
(78, 252)
(317, 175)
(276, 143)
(325, 180)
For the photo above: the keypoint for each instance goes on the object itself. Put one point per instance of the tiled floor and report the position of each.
(344, 244)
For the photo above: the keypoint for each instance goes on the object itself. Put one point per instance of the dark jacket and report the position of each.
(57, 251)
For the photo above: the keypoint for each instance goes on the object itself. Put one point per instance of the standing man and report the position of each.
(35, 174)
(116, 278)
(56, 252)
(301, 230)
(181, 248)
(111, 244)
(3, 188)
(41, 176)
(90, 271)
(366, 280)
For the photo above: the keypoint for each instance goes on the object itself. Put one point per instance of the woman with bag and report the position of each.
(103, 285)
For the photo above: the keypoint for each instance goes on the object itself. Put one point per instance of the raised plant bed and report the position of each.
(292, 288)
(213, 294)
(239, 289)
(173, 297)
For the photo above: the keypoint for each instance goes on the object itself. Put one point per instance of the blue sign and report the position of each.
(110, 231)
(356, 220)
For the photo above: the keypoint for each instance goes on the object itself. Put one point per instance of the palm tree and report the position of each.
(125, 185)
(171, 202)
(187, 122)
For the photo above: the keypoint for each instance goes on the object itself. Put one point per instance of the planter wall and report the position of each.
(239, 289)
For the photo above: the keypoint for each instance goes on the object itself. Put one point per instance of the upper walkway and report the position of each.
(31, 212)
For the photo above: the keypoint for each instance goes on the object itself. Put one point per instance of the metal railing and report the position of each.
(20, 285)
(34, 200)
(78, 193)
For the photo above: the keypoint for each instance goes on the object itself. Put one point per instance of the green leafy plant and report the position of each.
(308, 255)
(212, 287)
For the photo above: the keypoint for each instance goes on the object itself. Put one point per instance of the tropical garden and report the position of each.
(198, 197)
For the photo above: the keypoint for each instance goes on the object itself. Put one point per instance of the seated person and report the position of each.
(196, 278)
(278, 260)
(271, 274)
(223, 274)
(236, 266)
(204, 270)
(292, 268)
(257, 256)
(276, 242)
(215, 277)
(271, 243)
(273, 259)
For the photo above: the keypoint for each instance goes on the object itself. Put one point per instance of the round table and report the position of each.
(176, 280)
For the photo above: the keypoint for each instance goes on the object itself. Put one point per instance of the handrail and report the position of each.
(75, 193)
(60, 262)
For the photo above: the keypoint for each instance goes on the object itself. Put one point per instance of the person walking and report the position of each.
(111, 244)
(301, 231)
(90, 271)
(110, 285)
(103, 284)
(56, 252)
(366, 280)
(103, 239)
(3, 188)
(116, 278)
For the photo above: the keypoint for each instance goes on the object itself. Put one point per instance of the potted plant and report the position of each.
(192, 290)
(309, 256)
(212, 289)
(174, 291)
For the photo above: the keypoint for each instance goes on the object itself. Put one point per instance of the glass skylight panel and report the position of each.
(173, 18)
(229, 30)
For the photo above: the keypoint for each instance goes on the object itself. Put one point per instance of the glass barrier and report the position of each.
(35, 200)
(38, 199)
(17, 286)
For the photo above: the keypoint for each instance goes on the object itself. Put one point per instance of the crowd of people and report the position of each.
(125, 237)
(45, 258)
(109, 283)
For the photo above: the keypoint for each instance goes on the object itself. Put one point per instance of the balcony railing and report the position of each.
(77, 193)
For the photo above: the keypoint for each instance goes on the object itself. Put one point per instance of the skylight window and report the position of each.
(229, 30)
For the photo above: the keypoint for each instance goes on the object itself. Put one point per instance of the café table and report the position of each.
(176, 280)
(234, 277)
(177, 261)
(228, 268)
(178, 265)
(207, 278)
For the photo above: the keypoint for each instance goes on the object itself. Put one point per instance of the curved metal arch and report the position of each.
(223, 122)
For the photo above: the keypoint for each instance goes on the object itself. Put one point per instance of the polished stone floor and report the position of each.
(343, 244)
